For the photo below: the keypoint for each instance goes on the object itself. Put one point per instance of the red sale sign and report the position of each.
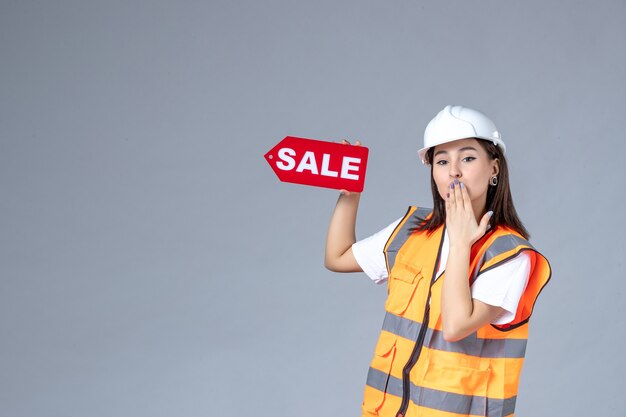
(319, 163)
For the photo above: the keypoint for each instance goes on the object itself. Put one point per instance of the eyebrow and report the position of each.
(466, 148)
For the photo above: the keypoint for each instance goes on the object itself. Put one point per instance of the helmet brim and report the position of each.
(422, 152)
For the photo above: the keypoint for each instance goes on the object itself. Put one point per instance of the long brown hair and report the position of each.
(499, 199)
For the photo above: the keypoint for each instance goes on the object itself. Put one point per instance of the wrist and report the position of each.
(460, 247)
(349, 196)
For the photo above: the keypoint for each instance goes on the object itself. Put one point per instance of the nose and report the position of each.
(454, 172)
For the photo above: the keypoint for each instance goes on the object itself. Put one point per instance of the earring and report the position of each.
(493, 181)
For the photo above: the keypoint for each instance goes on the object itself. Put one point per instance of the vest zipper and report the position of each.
(417, 349)
(406, 379)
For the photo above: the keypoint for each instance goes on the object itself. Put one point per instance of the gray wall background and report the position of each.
(152, 264)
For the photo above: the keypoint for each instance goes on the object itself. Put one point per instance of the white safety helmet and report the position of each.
(458, 122)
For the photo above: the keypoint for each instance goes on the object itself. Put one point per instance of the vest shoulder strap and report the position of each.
(501, 248)
(412, 218)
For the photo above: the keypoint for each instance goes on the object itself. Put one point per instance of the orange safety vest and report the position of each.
(415, 371)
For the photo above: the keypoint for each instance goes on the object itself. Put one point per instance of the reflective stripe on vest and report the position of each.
(471, 345)
(445, 401)
(477, 375)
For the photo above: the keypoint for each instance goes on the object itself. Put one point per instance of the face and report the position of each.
(467, 161)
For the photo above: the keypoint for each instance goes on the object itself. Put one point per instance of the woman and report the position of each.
(462, 281)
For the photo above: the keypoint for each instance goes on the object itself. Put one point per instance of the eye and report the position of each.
(441, 162)
(468, 158)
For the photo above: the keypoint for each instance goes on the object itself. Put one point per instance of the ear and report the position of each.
(495, 167)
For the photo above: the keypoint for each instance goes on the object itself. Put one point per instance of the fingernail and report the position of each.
(452, 186)
(447, 194)
(456, 181)
(462, 185)
(490, 213)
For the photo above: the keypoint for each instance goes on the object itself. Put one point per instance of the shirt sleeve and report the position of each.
(369, 253)
(503, 286)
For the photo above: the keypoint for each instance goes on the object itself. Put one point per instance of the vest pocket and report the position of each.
(378, 379)
(455, 389)
(403, 282)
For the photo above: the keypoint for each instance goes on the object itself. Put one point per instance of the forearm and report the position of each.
(341, 231)
(456, 297)
(460, 314)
